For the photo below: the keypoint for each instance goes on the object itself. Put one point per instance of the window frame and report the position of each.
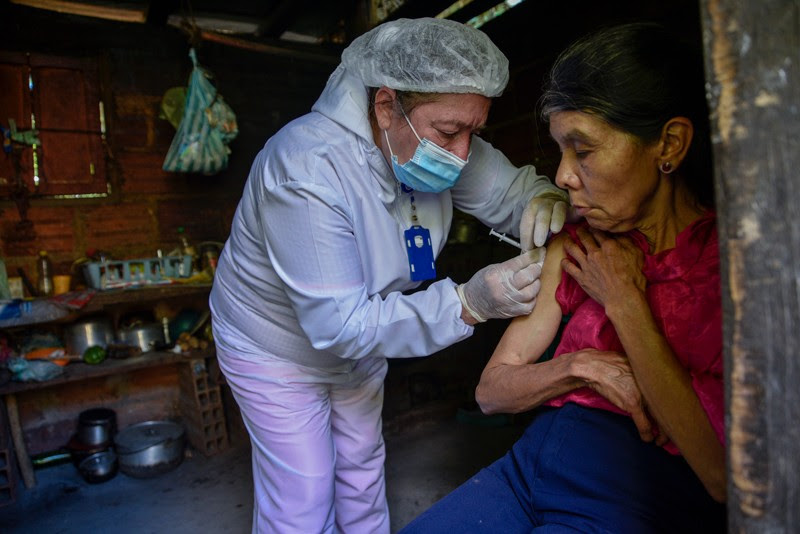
(78, 121)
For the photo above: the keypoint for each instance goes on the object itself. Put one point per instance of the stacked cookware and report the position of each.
(92, 447)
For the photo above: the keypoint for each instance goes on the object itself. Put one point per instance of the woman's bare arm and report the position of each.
(514, 381)
(508, 383)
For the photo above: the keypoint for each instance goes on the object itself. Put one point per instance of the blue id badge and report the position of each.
(420, 253)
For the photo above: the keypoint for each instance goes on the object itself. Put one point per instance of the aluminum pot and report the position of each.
(148, 449)
(79, 451)
(81, 335)
(146, 336)
(99, 467)
(97, 426)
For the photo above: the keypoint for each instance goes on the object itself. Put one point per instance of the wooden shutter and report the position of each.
(15, 104)
(65, 101)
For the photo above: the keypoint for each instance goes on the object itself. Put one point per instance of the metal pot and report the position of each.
(146, 336)
(148, 449)
(99, 467)
(96, 426)
(81, 335)
(79, 451)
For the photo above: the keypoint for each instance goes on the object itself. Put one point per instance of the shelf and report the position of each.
(77, 371)
(113, 297)
(103, 300)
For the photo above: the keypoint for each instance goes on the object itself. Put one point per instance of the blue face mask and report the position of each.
(431, 169)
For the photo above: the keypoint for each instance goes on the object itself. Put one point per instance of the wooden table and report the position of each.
(75, 372)
(103, 301)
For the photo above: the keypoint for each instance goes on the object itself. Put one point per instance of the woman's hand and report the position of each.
(606, 267)
(609, 374)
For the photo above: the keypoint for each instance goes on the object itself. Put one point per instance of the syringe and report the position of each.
(502, 237)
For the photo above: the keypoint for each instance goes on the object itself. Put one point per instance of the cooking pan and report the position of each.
(83, 334)
(99, 467)
(148, 449)
(96, 426)
(145, 336)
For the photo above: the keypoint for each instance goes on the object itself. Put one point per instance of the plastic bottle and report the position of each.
(187, 249)
(5, 292)
(44, 270)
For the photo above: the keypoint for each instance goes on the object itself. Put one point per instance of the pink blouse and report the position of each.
(683, 289)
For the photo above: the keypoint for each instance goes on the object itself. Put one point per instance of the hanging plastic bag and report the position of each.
(207, 127)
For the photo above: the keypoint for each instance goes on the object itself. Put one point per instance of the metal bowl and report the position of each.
(99, 467)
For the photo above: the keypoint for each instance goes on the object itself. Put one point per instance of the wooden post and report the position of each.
(21, 452)
(753, 68)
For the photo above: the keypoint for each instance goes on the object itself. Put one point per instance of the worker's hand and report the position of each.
(610, 374)
(504, 290)
(543, 214)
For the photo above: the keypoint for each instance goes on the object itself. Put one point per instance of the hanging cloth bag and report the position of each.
(207, 127)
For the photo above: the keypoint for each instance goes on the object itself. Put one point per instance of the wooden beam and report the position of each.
(280, 18)
(752, 55)
(263, 48)
(110, 12)
(23, 460)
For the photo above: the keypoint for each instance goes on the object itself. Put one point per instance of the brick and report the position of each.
(131, 131)
(142, 173)
(202, 220)
(125, 230)
(53, 228)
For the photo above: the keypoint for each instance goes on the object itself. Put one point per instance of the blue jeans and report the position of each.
(578, 469)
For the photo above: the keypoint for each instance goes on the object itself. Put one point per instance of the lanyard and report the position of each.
(418, 245)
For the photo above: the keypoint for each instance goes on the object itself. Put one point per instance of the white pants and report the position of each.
(318, 450)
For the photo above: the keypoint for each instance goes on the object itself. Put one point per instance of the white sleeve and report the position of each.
(311, 243)
(492, 189)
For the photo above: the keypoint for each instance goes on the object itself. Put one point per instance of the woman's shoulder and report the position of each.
(311, 149)
(309, 135)
(700, 238)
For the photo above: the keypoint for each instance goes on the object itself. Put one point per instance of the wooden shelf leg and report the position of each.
(24, 461)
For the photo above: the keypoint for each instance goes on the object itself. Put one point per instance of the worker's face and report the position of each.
(611, 177)
(450, 122)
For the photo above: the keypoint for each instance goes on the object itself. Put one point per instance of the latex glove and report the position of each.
(543, 214)
(504, 290)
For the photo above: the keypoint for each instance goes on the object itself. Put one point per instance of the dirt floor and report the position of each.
(425, 460)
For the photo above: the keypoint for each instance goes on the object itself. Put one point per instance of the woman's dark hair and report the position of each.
(636, 77)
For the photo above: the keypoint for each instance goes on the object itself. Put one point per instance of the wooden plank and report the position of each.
(109, 12)
(23, 460)
(114, 297)
(752, 57)
(75, 372)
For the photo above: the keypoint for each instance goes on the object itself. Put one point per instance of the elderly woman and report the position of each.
(345, 210)
(629, 434)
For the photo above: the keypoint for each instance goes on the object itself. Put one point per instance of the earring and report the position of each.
(666, 167)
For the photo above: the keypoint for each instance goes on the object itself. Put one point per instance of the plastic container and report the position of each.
(129, 273)
(44, 272)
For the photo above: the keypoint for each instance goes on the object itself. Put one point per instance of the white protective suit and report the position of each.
(307, 305)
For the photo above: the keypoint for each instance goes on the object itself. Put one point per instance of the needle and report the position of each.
(502, 237)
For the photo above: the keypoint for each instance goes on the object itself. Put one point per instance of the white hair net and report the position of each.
(428, 55)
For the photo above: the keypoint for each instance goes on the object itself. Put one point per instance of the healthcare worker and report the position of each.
(344, 212)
